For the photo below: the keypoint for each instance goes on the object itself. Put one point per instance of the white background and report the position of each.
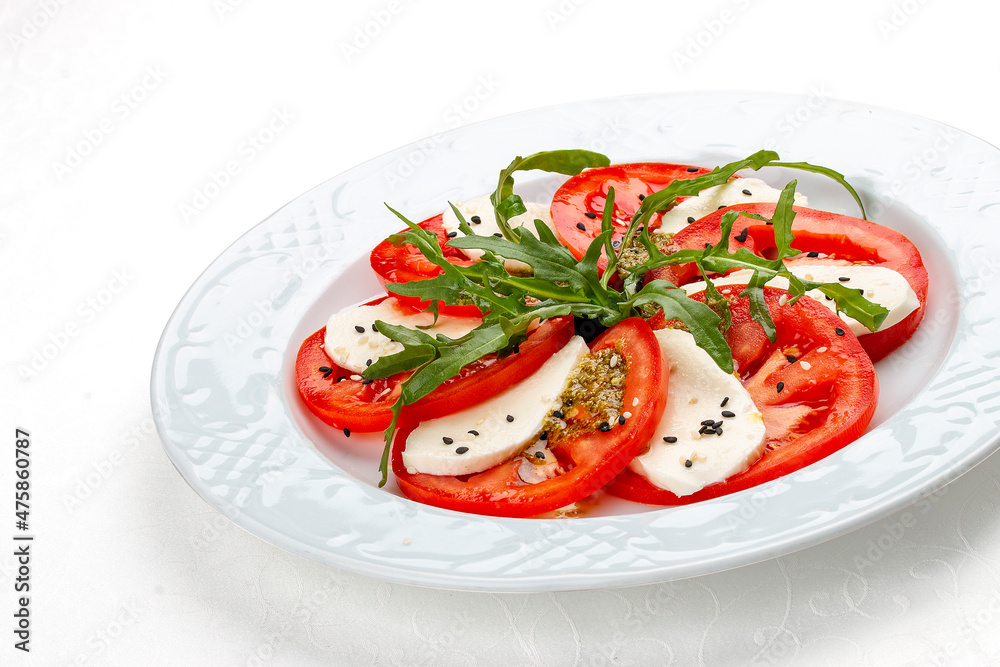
(114, 116)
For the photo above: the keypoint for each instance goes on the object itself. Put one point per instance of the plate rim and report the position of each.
(573, 581)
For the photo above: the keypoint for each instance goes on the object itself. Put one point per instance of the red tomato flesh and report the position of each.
(837, 236)
(591, 459)
(346, 403)
(404, 263)
(587, 192)
(816, 412)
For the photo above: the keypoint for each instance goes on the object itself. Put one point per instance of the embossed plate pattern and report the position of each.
(227, 413)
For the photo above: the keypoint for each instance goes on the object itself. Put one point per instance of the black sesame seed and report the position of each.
(721, 207)
(540, 455)
(367, 381)
(718, 431)
(473, 432)
(347, 432)
(368, 362)
(451, 235)
(615, 244)
(688, 463)
(510, 418)
(670, 439)
(341, 378)
(590, 214)
(447, 440)
(359, 328)
(604, 427)
(582, 227)
(569, 401)
(498, 234)
(708, 422)
(840, 332)
(544, 435)
(461, 450)
(724, 401)
(747, 192)
(717, 424)
(861, 291)
(558, 414)
(641, 197)
(705, 429)
(692, 169)
(728, 414)
(621, 420)
(814, 253)
(781, 385)
(707, 245)
(843, 279)
(690, 219)
(476, 219)
(325, 369)
(791, 358)
(828, 297)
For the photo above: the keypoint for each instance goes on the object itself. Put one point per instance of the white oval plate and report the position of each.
(227, 411)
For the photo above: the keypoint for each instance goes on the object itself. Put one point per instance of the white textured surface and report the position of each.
(133, 568)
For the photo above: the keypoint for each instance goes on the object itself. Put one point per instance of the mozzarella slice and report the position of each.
(482, 209)
(699, 390)
(351, 339)
(488, 434)
(711, 199)
(882, 285)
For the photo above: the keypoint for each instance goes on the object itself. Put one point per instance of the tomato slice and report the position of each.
(331, 394)
(590, 459)
(405, 263)
(836, 236)
(810, 409)
(586, 193)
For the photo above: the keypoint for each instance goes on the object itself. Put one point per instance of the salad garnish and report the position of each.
(560, 284)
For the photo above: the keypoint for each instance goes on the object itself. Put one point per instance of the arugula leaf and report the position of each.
(700, 319)
(506, 204)
(826, 171)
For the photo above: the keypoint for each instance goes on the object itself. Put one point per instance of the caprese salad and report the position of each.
(668, 333)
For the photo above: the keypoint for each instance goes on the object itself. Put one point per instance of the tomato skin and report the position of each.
(587, 191)
(357, 407)
(839, 236)
(405, 263)
(596, 457)
(818, 411)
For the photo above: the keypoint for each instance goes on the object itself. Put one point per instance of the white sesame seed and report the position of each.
(356, 378)
(805, 365)
(821, 349)
(783, 299)
(635, 401)
(627, 415)
(614, 360)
